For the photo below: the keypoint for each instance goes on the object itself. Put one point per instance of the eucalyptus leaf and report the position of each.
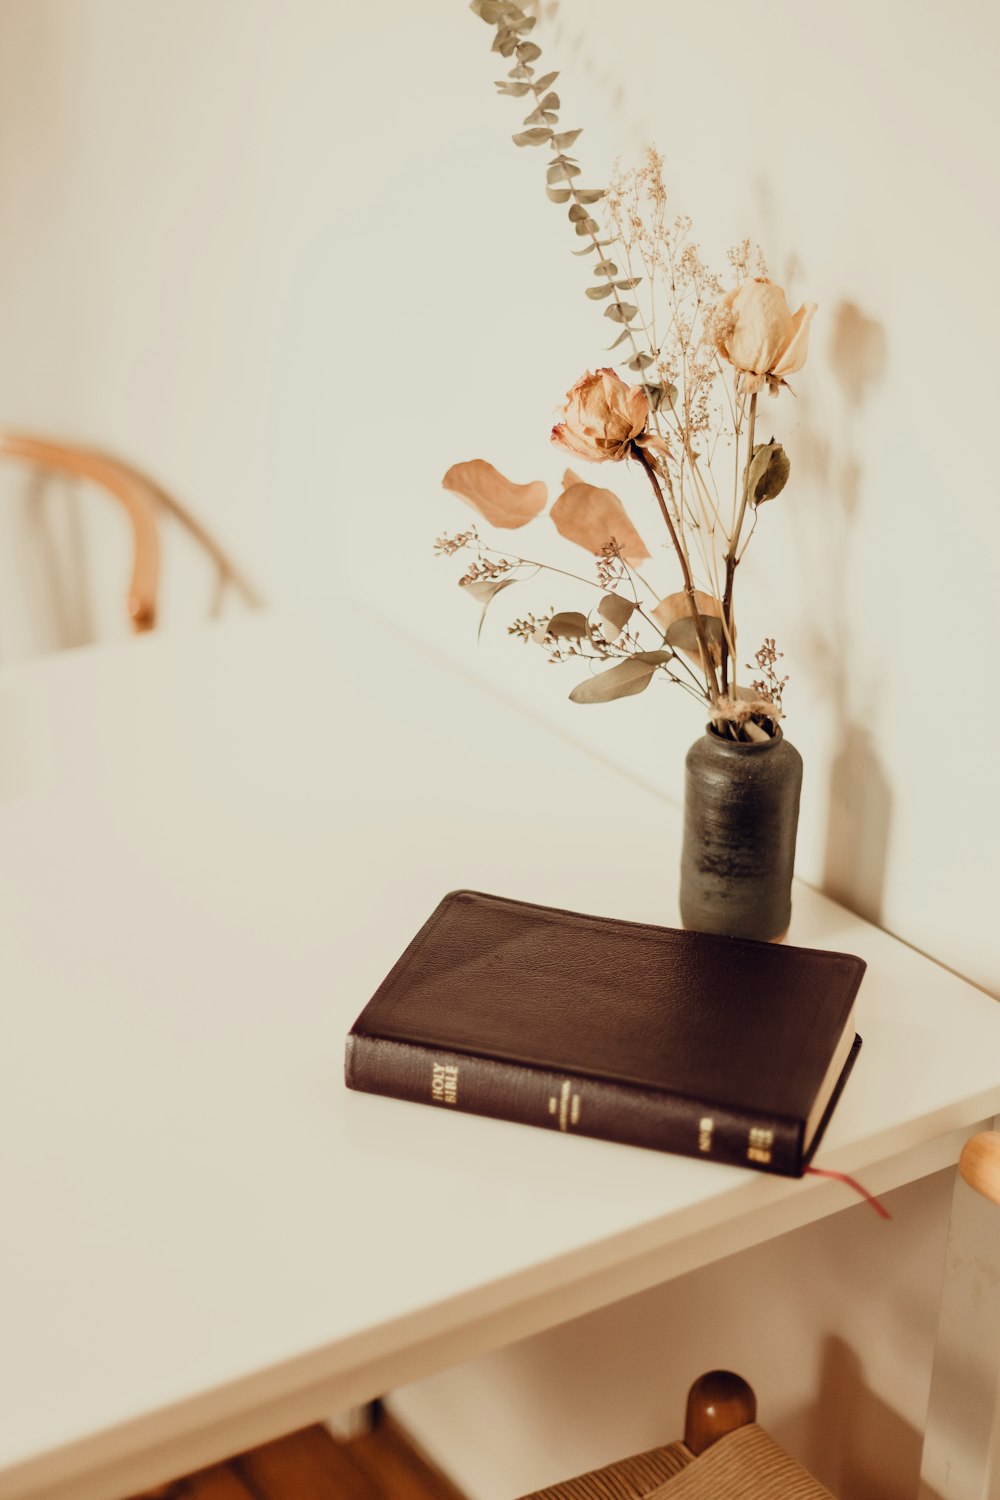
(616, 611)
(551, 101)
(590, 195)
(620, 681)
(660, 395)
(529, 52)
(561, 171)
(566, 137)
(640, 362)
(536, 137)
(540, 116)
(546, 82)
(769, 471)
(492, 11)
(587, 226)
(558, 195)
(570, 625)
(683, 637)
(595, 293)
(606, 268)
(512, 90)
(521, 71)
(626, 286)
(620, 312)
(486, 591)
(620, 339)
(577, 213)
(505, 42)
(525, 24)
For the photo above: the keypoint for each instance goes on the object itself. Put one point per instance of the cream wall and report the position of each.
(285, 256)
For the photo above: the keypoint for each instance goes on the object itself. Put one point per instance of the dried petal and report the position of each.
(591, 517)
(497, 499)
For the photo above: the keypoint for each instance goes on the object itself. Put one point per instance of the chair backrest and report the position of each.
(147, 506)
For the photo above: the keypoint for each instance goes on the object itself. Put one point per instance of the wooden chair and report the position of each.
(724, 1455)
(146, 504)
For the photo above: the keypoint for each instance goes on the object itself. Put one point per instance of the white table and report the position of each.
(212, 848)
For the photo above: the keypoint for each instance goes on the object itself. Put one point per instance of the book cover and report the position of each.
(680, 1041)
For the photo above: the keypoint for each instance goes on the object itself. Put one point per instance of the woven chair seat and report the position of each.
(744, 1465)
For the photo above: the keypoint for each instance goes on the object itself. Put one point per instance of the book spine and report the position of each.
(576, 1106)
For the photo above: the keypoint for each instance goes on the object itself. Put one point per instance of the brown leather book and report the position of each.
(709, 1046)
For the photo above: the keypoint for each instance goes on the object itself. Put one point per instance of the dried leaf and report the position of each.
(520, 71)
(529, 52)
(616, 612)
(590, 195)
(498, 500)
(595, 293)
(621, 312)
(492, 11)
(673, 615)
(566, 138)
(590, 517)
(621, 681)
(536, 137)
(546, 82)
(486, 592)
(577, 213)
(769, 471)
(620, 339)
(483, 589)
(505, 42)
(525, 24)
(540, 116)
(597, 245)
(659, 395)
(514, 90)
(626, 286)
(561, 171)
(606, 268)
(588, 226)
(570, 625)
(558, 195)
(640, 362)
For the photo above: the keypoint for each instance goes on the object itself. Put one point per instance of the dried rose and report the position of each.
(602, 417)
(759, 335)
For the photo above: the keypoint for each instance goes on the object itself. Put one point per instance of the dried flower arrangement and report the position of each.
(701, 355)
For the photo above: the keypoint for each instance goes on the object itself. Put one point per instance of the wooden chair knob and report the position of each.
(718, 1403)
(979, 1164)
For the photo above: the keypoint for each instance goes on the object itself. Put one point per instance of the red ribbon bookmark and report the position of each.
(852, 1182)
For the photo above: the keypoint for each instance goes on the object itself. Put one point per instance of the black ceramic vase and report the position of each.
(741, 812)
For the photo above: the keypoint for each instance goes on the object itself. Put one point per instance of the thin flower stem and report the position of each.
(706, 657)
(732, 553)
(530, 562)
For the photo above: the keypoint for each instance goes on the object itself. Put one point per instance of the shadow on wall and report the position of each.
(854, 1439)
(860, 798)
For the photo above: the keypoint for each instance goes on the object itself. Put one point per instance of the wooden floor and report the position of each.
(312, 1465)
